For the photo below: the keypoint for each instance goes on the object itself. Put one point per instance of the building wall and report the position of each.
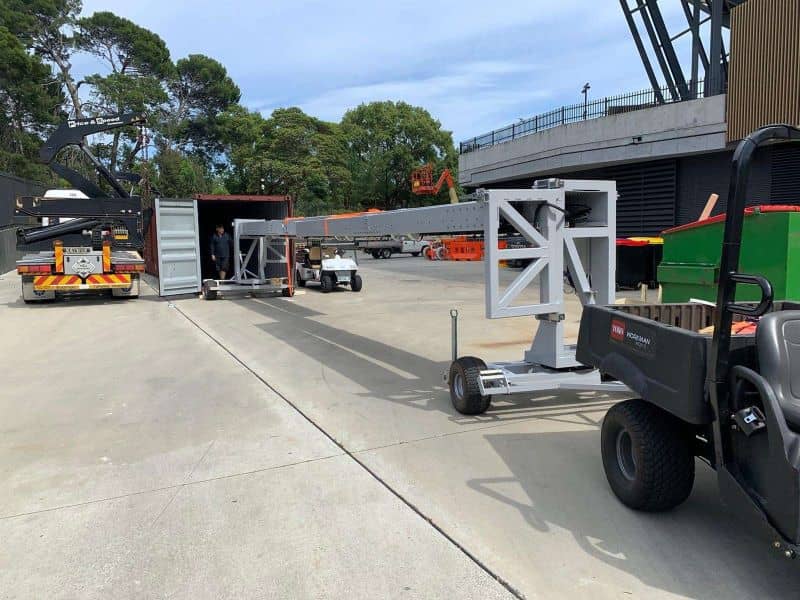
(764, 84)
(656, 195)
(667, 131)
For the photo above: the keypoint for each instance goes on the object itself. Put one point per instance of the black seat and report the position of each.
(778, 343)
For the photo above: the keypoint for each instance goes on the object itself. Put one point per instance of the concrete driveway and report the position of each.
(140, 460)
(306, 448)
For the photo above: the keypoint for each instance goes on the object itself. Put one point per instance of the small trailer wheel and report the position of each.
(465, 394)
(647, 456)
(356, 283)
(326, 283)
(208, 293)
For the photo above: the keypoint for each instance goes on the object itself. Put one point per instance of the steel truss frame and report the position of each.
(682, 81)
(252, 253)
(586, 250)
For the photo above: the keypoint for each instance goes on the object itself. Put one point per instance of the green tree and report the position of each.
(289, 153)
(200, 89)
(45, 26)
(178, 175)
(388, 140)
(139, 64)
(29, 100)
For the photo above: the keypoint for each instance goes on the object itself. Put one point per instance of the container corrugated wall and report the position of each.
(764, 80)
(213, 209)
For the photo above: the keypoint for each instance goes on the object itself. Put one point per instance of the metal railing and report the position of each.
(595, 109)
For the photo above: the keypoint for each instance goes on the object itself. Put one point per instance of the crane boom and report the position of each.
(73, 133)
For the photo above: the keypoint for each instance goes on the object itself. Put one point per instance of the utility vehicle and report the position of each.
(731, 400)
(384, 248)
(329, 266)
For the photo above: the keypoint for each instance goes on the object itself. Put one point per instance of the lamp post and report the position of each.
(585, 92)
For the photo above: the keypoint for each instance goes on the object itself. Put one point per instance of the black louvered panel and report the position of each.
(786, 174)
(646, 204)
(701, 176)
(698, 178)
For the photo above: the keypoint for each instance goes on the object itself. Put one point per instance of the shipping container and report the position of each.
(177, 243)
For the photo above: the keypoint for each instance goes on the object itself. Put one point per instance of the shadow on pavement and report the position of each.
(78, 301)
(389, 373)
(694, 550)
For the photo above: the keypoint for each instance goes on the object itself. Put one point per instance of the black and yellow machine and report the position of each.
(82, 239)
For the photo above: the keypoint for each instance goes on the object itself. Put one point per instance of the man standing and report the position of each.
(221, 251)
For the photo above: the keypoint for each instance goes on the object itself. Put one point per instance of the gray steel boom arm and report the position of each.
(448, 218)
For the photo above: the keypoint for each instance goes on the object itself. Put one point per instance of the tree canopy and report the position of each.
(388, 141)
(199, 137)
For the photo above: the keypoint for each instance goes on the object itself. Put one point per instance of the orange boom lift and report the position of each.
(422, 183)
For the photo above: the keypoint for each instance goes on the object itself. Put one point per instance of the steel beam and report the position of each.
(714, 83)
(668, 49)
(651, 33)
(637, 39)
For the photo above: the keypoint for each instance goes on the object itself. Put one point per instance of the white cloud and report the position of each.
(467, 95)
(475, 65)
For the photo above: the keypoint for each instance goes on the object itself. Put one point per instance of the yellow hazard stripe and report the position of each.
(109, 280)
(44, 283)
(60, 282)
(106, 257)
(58, 248)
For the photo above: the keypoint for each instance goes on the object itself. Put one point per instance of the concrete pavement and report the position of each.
(196, 479)
(521, 487)
(139, 459)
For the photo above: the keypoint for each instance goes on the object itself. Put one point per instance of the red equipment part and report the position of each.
(422, 182)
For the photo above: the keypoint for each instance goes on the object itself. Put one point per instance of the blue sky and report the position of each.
(474, 64)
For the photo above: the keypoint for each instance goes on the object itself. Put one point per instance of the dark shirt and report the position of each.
(221, 245)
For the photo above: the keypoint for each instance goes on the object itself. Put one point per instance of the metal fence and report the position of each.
(595, 109)
(10, 188)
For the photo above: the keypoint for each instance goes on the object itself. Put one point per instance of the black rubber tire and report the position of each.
(287, 292)
(466, 396)
(209, 294)
(386, 253)
(300, 281)
(647, 456)
(326, 284)
(356, 283)
(375, 254)
(415, 254)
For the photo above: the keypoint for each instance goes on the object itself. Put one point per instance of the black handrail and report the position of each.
(602, 107)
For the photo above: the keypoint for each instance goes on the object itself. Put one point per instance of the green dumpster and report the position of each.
(770, 247)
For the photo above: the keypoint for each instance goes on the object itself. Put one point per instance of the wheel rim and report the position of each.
(625, 458)
(458, 385)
